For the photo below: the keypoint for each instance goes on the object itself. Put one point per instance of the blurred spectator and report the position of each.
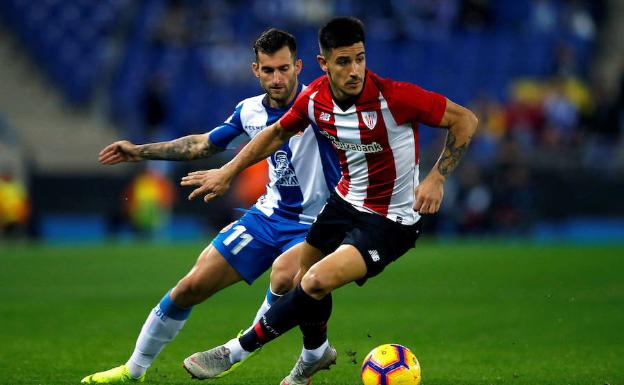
(561, 116)
(543, 17)
(14, 206)
(524, 113)
(492, 127)
(147, 203)
(578, 20)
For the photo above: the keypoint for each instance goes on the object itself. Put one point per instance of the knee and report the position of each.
(282, 279)
(190, 292)
(315, 285)
(281, 283)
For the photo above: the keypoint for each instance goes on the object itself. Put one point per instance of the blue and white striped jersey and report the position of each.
(301, 173)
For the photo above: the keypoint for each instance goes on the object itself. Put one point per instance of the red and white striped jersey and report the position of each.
(376, 140)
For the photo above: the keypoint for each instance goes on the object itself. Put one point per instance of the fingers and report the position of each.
(199, 191)
(111, 157)
(428, 206)
(192, 179)
(112, 154)
(200, 172)
(108, 149)
(210, 196)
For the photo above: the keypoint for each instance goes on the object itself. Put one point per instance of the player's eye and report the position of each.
(284, 68)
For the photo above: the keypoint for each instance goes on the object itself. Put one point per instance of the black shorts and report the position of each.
(380, 240)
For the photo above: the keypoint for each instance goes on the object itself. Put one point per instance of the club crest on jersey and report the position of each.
(370, 118)
(284, 172)
(325, 116)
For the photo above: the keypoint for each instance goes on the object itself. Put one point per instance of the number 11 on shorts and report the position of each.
(239, 232)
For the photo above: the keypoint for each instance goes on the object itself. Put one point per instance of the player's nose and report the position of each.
(278, 78)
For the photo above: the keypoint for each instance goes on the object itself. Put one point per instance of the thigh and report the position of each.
(290, 260)
(308, 257)
(245, 249)
(337, 269)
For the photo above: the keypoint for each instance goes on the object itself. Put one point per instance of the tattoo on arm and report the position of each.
(185, 148)
(452, 154)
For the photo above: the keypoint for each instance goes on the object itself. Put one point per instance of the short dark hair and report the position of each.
(341, 32)
(272, 40)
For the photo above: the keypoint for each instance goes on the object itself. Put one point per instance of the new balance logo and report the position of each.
(325, 116)
(374, 255)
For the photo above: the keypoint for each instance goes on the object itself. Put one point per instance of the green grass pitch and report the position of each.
(473, 312)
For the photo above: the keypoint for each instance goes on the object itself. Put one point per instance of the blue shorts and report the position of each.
(252, 243)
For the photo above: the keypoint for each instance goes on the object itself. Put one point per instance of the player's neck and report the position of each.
(342, 100)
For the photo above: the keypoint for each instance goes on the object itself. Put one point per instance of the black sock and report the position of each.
(314, 324)
(292, 309)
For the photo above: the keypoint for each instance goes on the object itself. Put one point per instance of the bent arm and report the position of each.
(185, 148)
(461, 124)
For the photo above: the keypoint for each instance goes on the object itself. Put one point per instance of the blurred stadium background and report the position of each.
(544, 76)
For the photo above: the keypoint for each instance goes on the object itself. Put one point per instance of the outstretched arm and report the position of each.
(185, 148)
(461, 124)
(214, 183)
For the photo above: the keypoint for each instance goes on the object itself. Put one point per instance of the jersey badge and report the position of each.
(370, 118)
(283, 170)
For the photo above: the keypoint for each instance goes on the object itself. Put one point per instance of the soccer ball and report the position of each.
(391, 364)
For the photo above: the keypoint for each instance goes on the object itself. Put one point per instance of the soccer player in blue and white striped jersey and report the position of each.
(302, 172)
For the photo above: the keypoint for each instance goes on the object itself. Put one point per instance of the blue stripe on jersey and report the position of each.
(329, 159)
(222, 135)
(291, 197)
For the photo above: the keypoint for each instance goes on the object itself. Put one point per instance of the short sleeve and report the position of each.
(410, 103)
(296, 118)
(222, 135)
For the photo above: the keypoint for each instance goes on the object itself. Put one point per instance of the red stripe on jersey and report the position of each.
(324, 104)
(381, 168)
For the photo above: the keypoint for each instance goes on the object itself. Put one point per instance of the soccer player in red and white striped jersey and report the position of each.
(374, 215)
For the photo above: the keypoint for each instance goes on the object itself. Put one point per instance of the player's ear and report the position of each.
(255, 69)
(298, 66)
(322, 62)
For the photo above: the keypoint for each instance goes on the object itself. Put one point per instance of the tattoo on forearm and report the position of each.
(452, 154)
(186, 148)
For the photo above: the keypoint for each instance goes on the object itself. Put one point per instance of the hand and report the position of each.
(429, 194)
(122, 151)
(213, 183)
